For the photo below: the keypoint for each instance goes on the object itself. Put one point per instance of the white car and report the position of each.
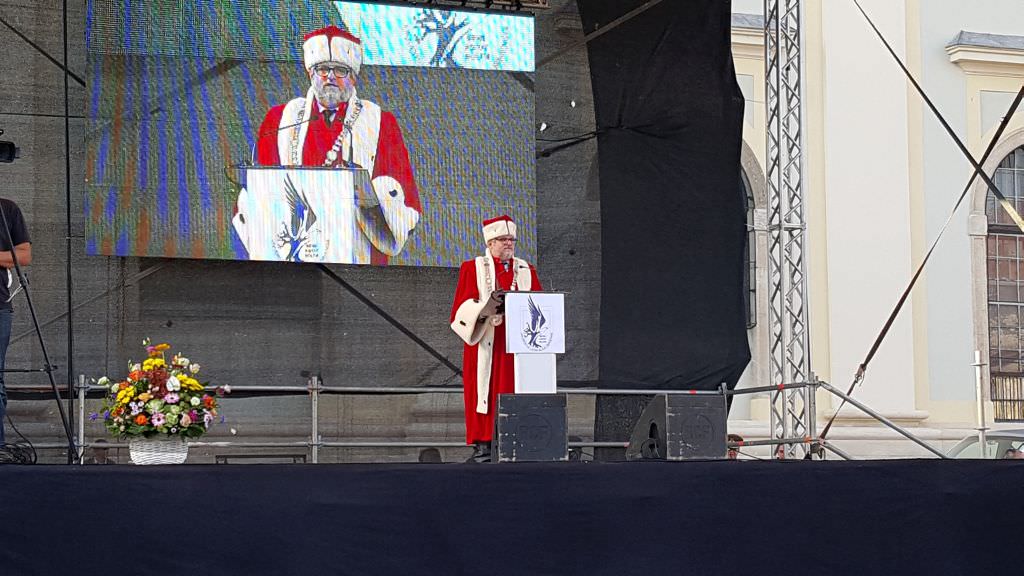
(997, 444)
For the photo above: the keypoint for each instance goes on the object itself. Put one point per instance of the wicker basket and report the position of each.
(158, 450)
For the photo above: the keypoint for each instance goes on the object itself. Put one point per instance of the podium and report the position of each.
(535, 332)
(532, 424)
(315, 214)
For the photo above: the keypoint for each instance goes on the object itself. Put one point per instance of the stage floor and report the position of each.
(720, 518)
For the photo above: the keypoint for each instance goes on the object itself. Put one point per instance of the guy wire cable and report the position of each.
(920, 268)
(978, 171)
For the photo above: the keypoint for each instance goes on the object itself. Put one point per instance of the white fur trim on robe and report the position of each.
(483, 338)
(385, 225)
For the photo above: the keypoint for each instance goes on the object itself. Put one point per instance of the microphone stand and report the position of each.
(47, 367)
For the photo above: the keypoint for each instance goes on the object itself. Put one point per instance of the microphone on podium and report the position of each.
(317, 114)
(228, 168)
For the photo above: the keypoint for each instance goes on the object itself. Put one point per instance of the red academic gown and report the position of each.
(480, 427)
(392, 158)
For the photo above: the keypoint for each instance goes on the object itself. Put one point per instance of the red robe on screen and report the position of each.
(288, 137)
(487, 369)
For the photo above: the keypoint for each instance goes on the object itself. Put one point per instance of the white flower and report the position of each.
(227, 388)
(194, 368)
(104, 381)
(181, 361)
(136, 367)
(194, 401)
(173, 383)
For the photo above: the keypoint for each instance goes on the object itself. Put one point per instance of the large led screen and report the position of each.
(308, 131)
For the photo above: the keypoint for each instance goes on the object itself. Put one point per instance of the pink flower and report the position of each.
(185, 421)
(158, 419)
(171, 398)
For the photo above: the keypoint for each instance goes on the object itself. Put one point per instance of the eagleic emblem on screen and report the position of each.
(449, 31)
(300, 240)
(457, 43)
(536, 332)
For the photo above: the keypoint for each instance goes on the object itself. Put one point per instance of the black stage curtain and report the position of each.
(669, 114)
(714, 518)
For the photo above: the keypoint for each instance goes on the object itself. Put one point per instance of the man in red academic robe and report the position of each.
(332, 127)
(487, 369)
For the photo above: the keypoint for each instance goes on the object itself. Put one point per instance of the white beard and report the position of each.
(330, 96)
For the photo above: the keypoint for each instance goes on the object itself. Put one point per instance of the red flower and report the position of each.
(141, 420)
(158, 377)
(207, 401)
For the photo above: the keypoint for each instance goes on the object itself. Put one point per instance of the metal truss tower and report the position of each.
(792, 409)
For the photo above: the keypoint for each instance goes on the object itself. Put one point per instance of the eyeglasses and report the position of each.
(338, 71)
(506, 240)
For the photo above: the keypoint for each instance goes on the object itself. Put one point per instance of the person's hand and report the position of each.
(366, 197)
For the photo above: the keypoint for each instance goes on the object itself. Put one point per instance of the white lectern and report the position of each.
(534, 333)
(301, 214)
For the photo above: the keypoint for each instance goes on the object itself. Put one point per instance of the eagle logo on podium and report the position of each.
(300, 240)
(536, 332)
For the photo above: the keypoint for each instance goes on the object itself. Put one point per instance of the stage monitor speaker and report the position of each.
(680, 427)
(532, 428)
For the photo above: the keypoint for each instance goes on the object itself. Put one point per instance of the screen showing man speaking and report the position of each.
(306, 131)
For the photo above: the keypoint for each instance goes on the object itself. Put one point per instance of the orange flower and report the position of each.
(141, 420)
(155, 351)
(135, 376)
(122, 386)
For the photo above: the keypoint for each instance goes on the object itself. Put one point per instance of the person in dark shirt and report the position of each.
(15, 224)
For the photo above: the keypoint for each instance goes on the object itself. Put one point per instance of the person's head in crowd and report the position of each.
(99, 452)
(1013, 454)
(332, 58)
(734, 451)
(430, 456)
(780, 451)
(500, 235)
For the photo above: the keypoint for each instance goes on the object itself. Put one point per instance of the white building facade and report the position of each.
(881, 177)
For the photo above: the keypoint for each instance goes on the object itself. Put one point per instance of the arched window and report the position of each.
(750, 253)
(1005, 262)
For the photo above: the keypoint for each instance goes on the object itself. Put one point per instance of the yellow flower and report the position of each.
(152, 363)
(145, 397)
(125, 396)
(189, 383)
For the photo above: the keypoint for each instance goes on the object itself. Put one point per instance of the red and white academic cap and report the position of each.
(332, 44)
(500, 226)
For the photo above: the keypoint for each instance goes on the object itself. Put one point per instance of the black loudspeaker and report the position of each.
(531, 428)
(680, 427)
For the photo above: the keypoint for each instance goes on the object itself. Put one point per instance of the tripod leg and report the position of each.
(5, 337)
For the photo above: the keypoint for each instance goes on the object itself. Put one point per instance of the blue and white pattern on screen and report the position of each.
(423, 37)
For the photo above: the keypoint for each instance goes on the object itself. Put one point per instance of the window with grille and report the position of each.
(750, 253)
(1005, 260)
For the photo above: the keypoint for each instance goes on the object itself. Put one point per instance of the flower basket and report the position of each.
(159, 406)
(158, 450)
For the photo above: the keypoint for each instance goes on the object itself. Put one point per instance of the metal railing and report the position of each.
(314, 388)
